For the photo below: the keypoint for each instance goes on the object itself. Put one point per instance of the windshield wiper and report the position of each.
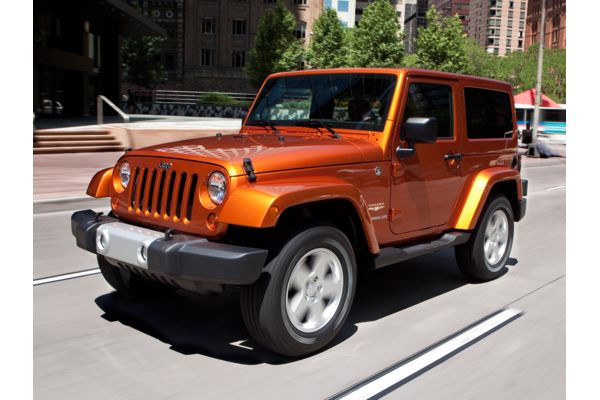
(264, 122)
(318, 124)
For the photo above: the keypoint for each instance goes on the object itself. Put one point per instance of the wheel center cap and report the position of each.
(313, 289)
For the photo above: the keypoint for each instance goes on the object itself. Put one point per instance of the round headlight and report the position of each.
(125, 174)
(217, 186)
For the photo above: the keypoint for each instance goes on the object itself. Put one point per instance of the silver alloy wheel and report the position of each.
(314, 290)
(495, 241)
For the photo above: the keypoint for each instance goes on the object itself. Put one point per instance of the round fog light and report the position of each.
(144, 252)
(102, 241)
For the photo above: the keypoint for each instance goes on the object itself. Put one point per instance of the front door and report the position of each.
(426, 185)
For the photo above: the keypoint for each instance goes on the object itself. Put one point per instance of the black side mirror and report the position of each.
(420, 130)
(417, 130)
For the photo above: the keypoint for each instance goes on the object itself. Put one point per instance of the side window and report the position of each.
(489, 115)
(431, 100)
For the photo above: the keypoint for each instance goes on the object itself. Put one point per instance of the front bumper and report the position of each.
(177, 256)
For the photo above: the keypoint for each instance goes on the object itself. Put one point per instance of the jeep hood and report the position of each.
(267, 152)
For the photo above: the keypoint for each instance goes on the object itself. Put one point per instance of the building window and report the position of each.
(238, 58)
(208, 25)
(508, 42)
(343, 5)
(521, 34)
(239, 27)
(300, 2)
(207, 57)
(496, 51)
(511, 4)
(510, 13)
(169, 62)
(522, 15)
(523, 5)
(521, 24)
(509, 33)
(300, 30)
(520, 44)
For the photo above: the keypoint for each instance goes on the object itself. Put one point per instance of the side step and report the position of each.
(392, 255)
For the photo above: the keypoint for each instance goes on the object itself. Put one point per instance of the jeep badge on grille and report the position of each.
(164, 165)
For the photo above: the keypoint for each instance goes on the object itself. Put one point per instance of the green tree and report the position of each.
(520, 70)
(554, 78)
(480, 62)
(441, 45)
(140, 58)
(276, 47)
(328, 48)
(377, 41)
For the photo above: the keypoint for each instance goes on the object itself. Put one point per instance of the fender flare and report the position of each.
(473, 199)
(101, 184)
(260, 205)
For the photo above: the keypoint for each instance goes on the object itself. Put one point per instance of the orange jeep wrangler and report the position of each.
(332, 171)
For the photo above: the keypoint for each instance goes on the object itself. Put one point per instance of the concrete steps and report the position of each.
(55, 141)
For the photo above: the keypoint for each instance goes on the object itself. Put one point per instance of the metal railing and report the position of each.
(192, 97)
(100, 100)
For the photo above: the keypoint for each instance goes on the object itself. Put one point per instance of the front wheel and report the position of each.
(303, 297)
(484, 256)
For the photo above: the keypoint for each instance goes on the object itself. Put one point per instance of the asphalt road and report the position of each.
(91, 343)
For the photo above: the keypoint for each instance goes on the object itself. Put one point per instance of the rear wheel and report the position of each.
(303, 297)
(484, 256)
(129, 284)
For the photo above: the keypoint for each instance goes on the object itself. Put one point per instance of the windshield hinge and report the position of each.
(249, 168)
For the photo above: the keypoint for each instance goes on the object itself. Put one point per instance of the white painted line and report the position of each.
(557, 187)
(445, 349)
(64, 277)
(240, 345)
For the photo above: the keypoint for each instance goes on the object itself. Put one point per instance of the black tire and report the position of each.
(131, 285)
(471, 257)
(263, 304)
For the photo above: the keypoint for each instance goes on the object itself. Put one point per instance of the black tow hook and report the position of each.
(169, 234)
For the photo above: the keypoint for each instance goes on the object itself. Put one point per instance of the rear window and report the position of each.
(489, 115)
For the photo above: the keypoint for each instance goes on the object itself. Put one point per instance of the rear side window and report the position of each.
(431, 100)
(489, 115)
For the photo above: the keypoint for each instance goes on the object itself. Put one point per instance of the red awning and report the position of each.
(528, 97)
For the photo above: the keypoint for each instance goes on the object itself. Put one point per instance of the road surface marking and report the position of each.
(405, 370)
(64, 277)
(557, 187)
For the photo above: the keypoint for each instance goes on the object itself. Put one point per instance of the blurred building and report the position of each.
(346, 11)
(169, 14)
(415, 17)
(76, 52)
(350, 11)
(207, 47)
(448, 8)
(498, 25)
(397, 4)
(556, 24)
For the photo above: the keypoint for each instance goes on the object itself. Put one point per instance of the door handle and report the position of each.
(453, 156)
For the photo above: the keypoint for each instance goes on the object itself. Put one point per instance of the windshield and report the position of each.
(349, 101)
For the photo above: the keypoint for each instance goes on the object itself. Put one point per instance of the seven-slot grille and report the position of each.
(163, 192)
